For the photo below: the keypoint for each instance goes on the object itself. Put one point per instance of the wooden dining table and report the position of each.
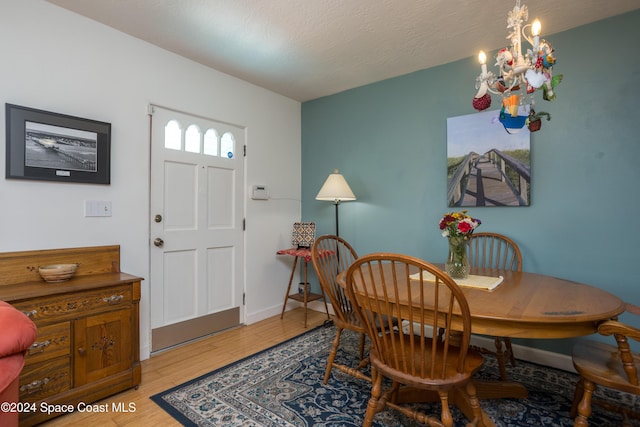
(527, 305)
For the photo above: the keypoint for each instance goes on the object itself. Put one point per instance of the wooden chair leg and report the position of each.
(577, 397)
(332, 355)
(475, 405)
(445, 417)
(584, 407)
(372, 406)
(362, 339)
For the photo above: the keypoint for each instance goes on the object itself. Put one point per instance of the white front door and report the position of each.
(196, 233)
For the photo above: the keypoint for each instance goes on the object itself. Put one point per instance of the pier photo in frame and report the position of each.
(48, 146)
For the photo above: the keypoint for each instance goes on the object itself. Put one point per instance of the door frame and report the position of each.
(225, 318)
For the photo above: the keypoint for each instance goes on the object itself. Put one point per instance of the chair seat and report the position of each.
(600, 363)
(473, 363)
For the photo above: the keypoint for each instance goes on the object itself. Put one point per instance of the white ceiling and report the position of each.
(306, 49)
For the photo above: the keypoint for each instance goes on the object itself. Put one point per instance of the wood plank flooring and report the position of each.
(175, 366)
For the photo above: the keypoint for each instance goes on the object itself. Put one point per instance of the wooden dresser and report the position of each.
(88, 328)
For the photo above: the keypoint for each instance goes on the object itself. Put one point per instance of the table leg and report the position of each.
(500, 357)
(466, 406)
(286, 296)
(306, 291)
(485, 390)
(459, 398)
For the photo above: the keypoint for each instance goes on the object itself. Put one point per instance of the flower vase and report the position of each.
(457, 265)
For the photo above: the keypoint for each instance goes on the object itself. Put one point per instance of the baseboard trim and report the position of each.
(530, 354)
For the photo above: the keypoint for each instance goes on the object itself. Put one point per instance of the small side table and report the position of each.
(305, 297)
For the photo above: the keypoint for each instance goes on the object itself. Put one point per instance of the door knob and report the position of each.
(158, 242)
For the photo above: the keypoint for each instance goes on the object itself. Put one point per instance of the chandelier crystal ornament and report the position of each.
(520, 75)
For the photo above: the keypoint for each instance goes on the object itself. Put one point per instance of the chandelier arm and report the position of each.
(529, 39)
(493, 91)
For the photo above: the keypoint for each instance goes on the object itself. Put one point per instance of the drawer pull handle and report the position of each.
(34, 386)
(39, 347)
(113, 299)
(31, 313)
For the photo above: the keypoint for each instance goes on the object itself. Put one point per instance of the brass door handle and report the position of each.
(158, 242)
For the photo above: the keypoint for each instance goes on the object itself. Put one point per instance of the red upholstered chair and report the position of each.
(17, 333)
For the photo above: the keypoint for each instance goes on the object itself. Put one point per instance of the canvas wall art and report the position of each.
(486, 165)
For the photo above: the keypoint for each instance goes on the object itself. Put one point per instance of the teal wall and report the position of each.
(389, 141)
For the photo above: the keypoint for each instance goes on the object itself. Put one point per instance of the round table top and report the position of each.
(530, 305)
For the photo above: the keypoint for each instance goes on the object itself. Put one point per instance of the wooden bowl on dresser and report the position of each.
(57, 272)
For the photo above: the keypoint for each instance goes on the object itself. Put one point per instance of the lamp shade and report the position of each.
(335, 189)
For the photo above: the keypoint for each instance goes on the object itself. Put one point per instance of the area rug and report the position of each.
(282, 386)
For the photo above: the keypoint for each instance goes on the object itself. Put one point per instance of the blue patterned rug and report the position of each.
(282, 386)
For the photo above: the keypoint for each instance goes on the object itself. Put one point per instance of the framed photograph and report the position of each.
(48, 146)
(487, 164)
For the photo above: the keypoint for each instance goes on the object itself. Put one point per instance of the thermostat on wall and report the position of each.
(260, 192)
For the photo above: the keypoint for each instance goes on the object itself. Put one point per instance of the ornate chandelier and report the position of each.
(519, 75)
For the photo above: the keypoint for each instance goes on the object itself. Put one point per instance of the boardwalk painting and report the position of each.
(487, 166)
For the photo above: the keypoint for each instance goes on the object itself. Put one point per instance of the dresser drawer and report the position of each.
(41, 380)
(70, 306)
(52, 341)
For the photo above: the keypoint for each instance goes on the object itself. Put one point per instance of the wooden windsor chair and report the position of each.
(496, 251)
(611, 366)
(392, 286)
(327, 269)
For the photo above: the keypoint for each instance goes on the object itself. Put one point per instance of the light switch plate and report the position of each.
(97, 208)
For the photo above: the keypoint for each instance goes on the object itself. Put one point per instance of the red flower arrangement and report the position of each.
(458, 224)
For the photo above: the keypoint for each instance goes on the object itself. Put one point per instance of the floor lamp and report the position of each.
(335, 189)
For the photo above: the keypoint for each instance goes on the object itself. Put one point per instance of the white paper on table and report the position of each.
(488, 283)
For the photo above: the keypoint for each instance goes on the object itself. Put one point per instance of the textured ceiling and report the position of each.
(306, 49)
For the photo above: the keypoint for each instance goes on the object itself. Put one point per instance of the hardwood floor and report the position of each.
(172, 367)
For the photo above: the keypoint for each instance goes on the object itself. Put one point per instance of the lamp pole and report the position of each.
(337, 202)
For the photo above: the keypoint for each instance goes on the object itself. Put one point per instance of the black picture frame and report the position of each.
(48, 146)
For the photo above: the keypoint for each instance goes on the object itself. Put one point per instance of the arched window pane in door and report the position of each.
(227, 145)
(172, 136)
(211, 142)
(192, 139)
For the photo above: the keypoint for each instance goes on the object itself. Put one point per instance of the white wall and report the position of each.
(58, 61)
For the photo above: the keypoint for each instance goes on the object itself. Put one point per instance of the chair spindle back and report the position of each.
(393, 286)
(493, 250)
(327, 268)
